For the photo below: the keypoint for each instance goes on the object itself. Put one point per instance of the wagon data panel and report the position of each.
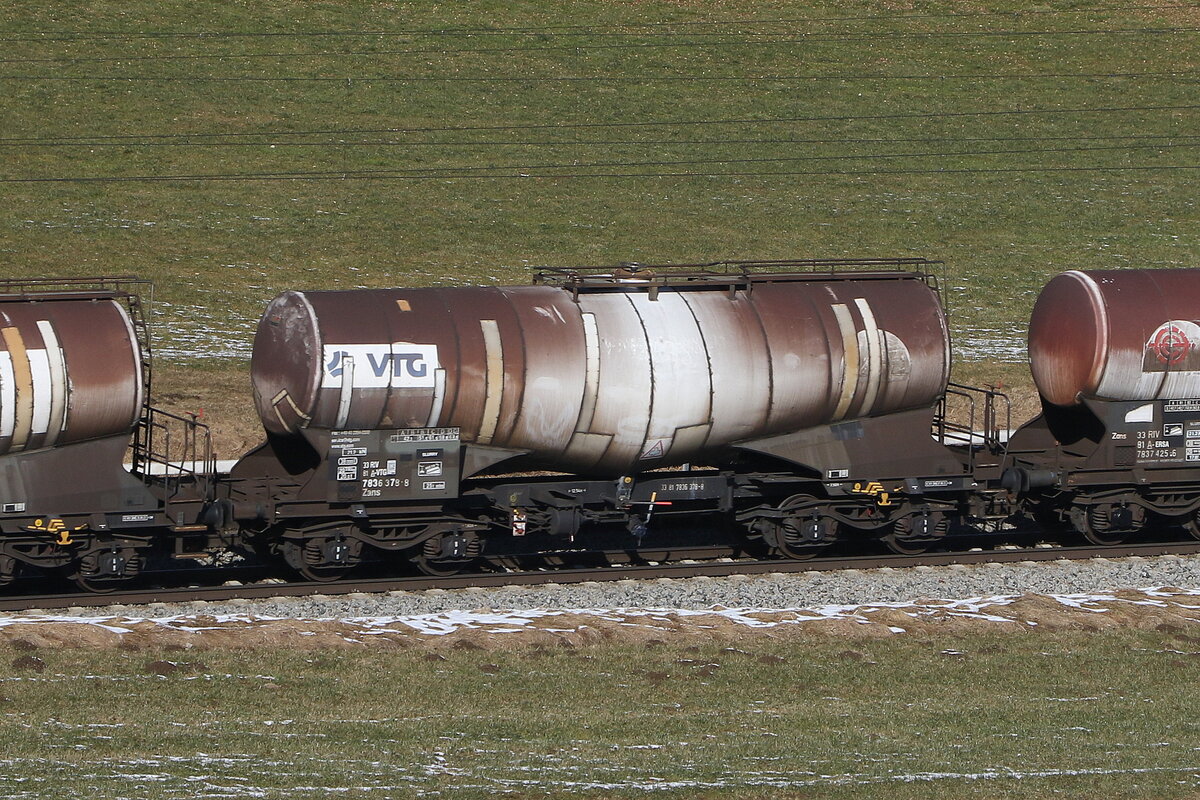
(399, 464)
(1160, 434)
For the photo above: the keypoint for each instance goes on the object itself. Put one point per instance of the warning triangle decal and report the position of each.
(656, 450)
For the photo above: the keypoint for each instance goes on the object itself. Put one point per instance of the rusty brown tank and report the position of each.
(70, 370)
(609, 372)
(1117, 335)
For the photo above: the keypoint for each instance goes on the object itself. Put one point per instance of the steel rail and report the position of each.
(719, 568)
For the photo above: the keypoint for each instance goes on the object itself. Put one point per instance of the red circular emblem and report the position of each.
(1170, 344)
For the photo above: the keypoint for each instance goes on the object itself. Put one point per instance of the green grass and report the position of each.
(1100, 715)
(218, 249)
(821, 724)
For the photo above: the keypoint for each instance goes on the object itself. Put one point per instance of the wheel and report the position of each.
(1103, 538)
(8, 569)
(322, 574)
(800, 553)
(902, 546)
(104, 570)
(438, 569)
(95, 585)
(320, 560)
(1191, 524)
(804, 535)
(447, 554)
(914, 534)
(1106, 524)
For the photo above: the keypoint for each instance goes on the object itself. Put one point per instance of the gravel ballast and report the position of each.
(775, 591)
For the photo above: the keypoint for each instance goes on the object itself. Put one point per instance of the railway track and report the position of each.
(723, 567)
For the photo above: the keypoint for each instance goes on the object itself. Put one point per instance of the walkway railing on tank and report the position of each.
(734, 274)
(27, 287)
(176, 451)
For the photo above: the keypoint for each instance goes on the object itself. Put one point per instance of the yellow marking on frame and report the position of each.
(876, 490)
(403, 305)
(55, 526)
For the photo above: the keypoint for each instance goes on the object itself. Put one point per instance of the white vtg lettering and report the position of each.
(399, 364)
(371, 366)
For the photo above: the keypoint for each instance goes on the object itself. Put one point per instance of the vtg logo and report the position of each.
(411, 365)
(377, 366)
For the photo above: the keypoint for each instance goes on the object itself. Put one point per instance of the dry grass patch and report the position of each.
(1071, 714)
(1169, 610)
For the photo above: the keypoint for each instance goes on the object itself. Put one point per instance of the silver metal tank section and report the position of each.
(609, 375)
(1117, 335)
(70, 370)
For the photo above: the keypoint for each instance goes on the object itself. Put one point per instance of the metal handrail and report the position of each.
(192, 463)
(950, 432)
(25, 288)
(734, 276)
(861, 268)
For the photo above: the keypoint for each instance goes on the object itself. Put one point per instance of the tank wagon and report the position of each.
(605, 375)
(75, 372)
(597, 407)
(1116, 358)
(597, 415)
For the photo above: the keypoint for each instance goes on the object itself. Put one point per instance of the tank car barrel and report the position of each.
(603, 375)
(69, 371)
(1117, 335)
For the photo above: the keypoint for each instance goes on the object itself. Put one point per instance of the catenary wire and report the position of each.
(777, 159)
(522, 169)
(572, 29)
(101, 142)
(656, 123)
(530, 79)
(350, 175)
(798, 39)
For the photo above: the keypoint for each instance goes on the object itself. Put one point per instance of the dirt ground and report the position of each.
(222, 399)
(1171, 610)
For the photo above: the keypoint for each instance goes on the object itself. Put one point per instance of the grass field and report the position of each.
(347, 144)
(229, 151)
(1031, 716)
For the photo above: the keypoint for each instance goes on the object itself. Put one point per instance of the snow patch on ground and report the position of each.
(492, 629)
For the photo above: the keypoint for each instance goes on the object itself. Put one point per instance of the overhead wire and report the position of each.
(630, 124)
(708, 45)
(533, 79)
(34, 142)
(351, 175)
(189, 139)
(574, 29)
(521, 169)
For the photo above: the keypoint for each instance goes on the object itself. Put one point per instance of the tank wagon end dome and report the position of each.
(285, 363)
(1123, 335)
(1068, 338)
